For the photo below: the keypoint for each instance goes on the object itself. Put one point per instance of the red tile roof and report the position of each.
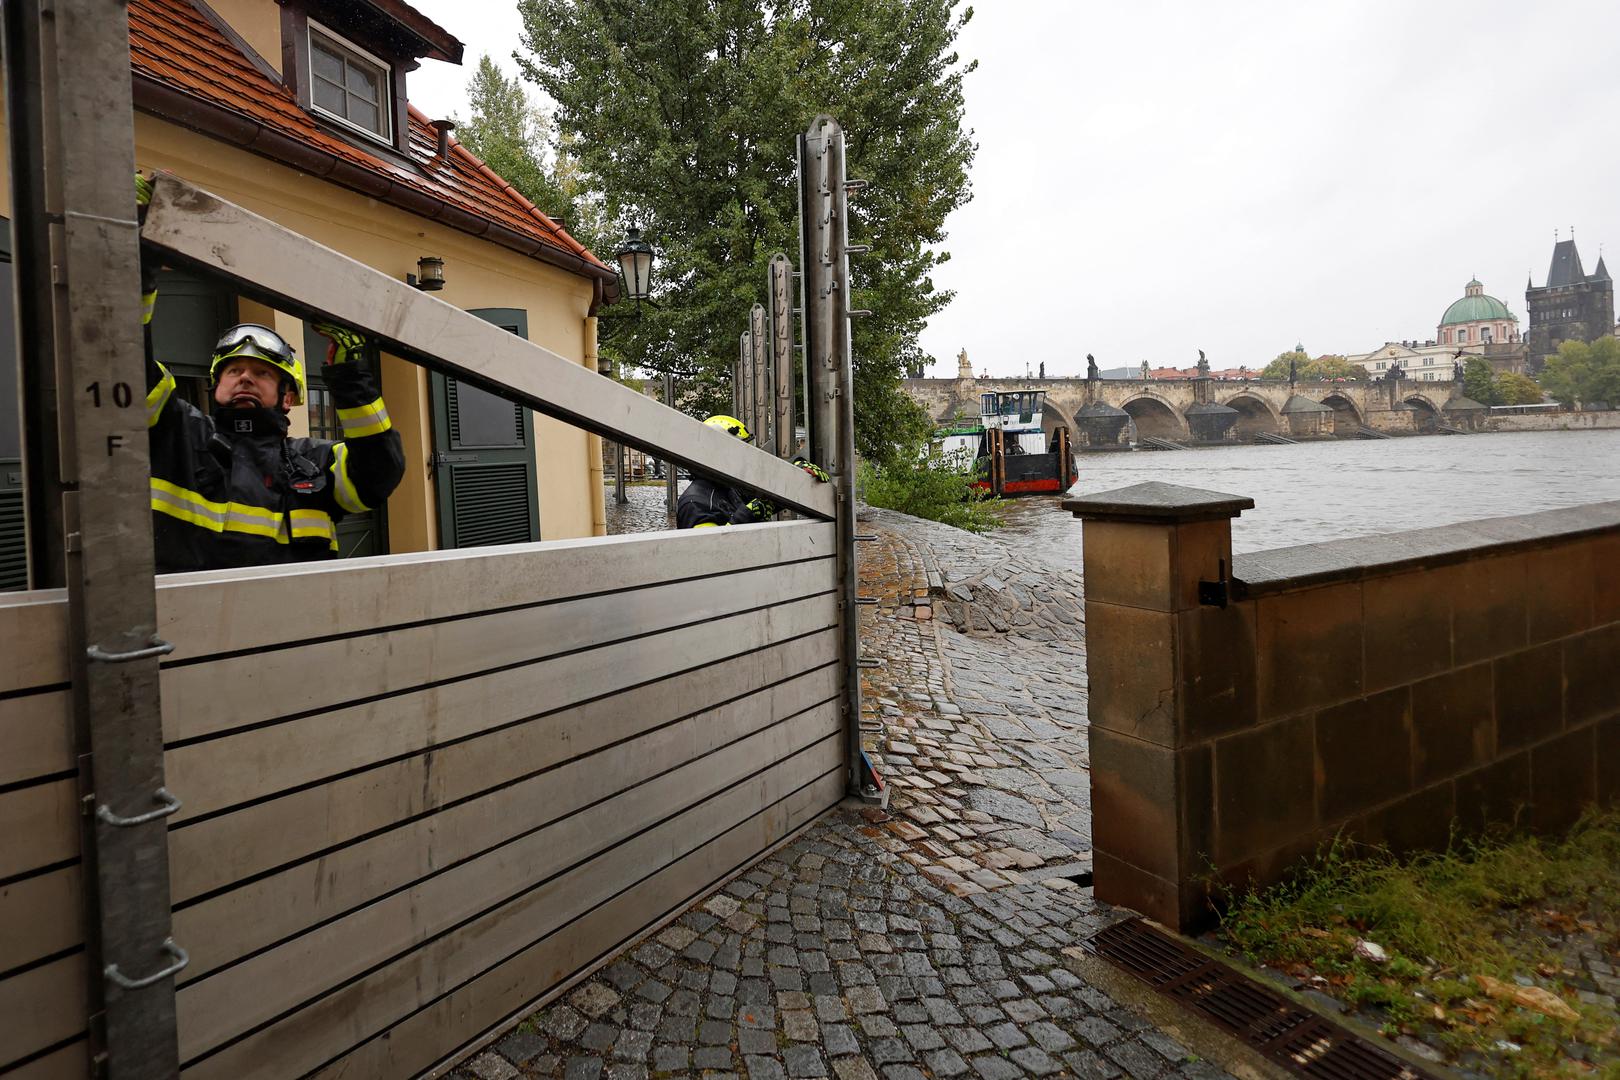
(189, 70)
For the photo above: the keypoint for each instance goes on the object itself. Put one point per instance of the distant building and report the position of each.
(1572, 306)
(1477, 319)
(1473, 325)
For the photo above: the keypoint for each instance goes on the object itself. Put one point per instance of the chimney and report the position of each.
(444, 128)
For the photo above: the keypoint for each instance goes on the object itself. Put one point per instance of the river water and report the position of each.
(1333, 490)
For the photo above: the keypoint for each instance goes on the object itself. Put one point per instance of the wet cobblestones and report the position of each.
(922, 941)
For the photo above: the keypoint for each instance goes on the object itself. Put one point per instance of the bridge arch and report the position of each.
(1425, 417)
(1347, 419)
(1154, 417)
(1254, 415)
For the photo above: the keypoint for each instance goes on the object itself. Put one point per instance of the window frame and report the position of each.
(385, 105)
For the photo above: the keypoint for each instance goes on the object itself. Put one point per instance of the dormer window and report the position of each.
(349, 84)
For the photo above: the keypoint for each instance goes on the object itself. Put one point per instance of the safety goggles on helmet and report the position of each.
(730, 425)
(259, 343)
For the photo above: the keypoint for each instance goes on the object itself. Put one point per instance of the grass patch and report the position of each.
(1462, 933)
(920, 482)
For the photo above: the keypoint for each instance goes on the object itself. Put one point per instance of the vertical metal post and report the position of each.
(73, 160)
(781, 352)
(618, 475)
(745, 385)
(671, 495)
(824, 269)
(764, 400)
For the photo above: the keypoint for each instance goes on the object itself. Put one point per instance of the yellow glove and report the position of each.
(345, 344)
(813, 469)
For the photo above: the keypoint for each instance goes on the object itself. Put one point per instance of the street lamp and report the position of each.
(635, 259)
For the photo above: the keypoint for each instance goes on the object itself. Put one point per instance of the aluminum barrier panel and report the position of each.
(421, 792)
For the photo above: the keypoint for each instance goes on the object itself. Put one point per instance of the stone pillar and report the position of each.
(1147, 547)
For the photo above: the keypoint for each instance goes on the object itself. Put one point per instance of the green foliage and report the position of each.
(1479, 382)
(1584, 373)
(919, 481)
(513, 136)
(684, 117)
(1515, 388)
(1485, 907)
(1330, 366)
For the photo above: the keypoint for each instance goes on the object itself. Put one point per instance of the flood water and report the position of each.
(1333, 490)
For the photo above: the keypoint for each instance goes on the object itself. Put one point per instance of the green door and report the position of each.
(483, 457)
(357, 534)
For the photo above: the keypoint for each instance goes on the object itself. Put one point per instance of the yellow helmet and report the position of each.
(259, 343)
(730, 425)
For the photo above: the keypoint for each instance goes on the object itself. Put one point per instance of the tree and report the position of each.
(513, 136)
(684, 114)
(1479, 383)
(1584, 373)
(1515, 388)
(1326, 367)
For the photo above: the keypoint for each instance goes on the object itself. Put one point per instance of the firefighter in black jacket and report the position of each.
(706, 504)
(231, 489)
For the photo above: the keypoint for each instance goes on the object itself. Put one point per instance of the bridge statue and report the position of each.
(1145, 370)
(1203, 365)
(1092, 372)
(1457, 371)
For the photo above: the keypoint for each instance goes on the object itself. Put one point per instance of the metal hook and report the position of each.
(159, 647)
(124, 982)
(169, 804)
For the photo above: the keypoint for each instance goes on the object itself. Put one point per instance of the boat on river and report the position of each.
(1008, 448)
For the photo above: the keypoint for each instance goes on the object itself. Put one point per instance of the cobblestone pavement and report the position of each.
(921, 942)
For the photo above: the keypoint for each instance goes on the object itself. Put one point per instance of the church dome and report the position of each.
(1475, 306)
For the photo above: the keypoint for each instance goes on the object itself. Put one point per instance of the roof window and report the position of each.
(349, 84)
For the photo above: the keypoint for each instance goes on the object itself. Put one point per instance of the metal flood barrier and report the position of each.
(418, 791)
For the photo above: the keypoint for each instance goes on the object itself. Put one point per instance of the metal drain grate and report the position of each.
(1288, 1034)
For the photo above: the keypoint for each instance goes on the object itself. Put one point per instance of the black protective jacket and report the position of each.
(232, 489)
(707, 502)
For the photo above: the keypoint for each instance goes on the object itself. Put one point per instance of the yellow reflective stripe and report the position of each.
(315, 523)
(148, 306)
(348, 496)
(158, 397)
(707, 525)
(366, 420)
(188, 506)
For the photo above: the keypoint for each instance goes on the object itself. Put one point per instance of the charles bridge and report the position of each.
(1101, 412)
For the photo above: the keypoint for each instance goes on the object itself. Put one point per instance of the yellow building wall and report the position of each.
(255, 22)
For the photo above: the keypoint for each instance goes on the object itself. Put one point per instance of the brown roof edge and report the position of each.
(232, 127)
(442, 44)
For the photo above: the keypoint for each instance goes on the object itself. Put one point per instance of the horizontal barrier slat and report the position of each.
(39, 916)
(431, 1035)
(301, 276)
(71, 1062)
(211, 854)
(283, 755)
(215, 1008)
(36, 735)
(40, 825)
(33, 639)
(41, 1007)
(369, 1005)
(270, 909)
(202, 613)
(221, 695)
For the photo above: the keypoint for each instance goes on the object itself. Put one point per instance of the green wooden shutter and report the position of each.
(484, 457)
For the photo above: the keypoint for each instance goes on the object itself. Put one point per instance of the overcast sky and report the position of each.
(1155, 178)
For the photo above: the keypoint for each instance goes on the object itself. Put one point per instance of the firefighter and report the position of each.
(230, 488)
(708, 503)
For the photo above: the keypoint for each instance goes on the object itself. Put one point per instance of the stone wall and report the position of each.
(1385, 689)
(1555, 421)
